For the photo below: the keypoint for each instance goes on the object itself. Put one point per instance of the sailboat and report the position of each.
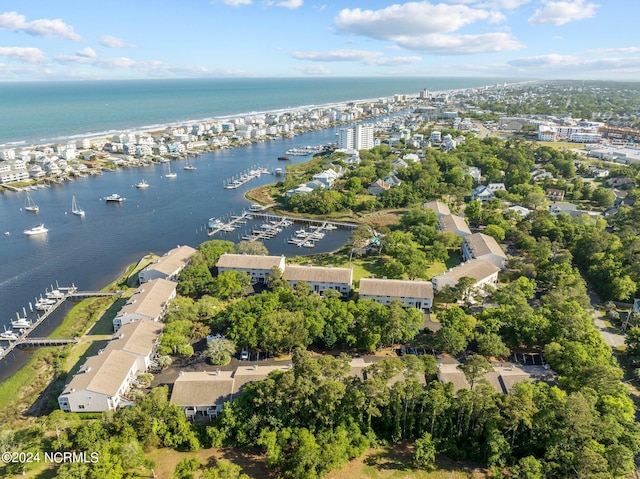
(170, 175)
(189, 166)
(30, 204)
(74, 207)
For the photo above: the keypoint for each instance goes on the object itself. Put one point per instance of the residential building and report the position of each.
(378, 187)
(359, 137)
(453, 224)
(439, 207)
(167, 266)
(482, 246)
(148, 302)
(139, 338)
(320, 278)
(483, 271)
(554, 194)
(259, 267)
(416, 294)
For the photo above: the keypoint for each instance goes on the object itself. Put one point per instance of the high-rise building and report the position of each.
(359, 137)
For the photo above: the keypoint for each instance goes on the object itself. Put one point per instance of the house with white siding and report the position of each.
(320, 278)
(415, 294)
(140, 338)
(259, 267)
(453, 224)
(149, 301)
(482, 246)
(169, 265)
(483, 271)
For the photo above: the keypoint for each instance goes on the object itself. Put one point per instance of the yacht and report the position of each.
(9, 335)
(114, 198)
(21, 323)
(142, 184)
(30, 204)
(36, 230)
(255, 207)
(75, 209)
(214, 223)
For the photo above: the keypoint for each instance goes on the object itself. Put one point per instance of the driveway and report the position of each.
(611, 336)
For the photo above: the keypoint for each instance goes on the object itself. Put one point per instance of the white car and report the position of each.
(244, 354)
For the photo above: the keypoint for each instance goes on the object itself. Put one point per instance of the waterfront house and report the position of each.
(149, 301)
(259, 267)
(167, 266)
(483, 271)
(101, 384)
(482, 246)
(453, 224)
(416, 294)
(139, 338)
(320, 278)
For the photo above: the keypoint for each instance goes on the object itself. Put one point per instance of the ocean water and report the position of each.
(96, 249)
(36, 112)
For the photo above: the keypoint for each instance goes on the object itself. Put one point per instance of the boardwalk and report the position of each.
(234, 183)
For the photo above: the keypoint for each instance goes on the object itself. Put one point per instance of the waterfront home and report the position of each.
(320, 278)
(259, 267)
(439, 207)
(149, 301)
(167, 266)
(101, 383)
(453, 224)
(416, 294)
(482, 246)
(140, 338)
(484, 272)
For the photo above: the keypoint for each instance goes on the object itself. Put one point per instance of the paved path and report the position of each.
(611, 336)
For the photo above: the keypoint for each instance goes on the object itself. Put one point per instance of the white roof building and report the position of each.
(482, 246)
(167, 266)
(148, 302)
(416, 294)
(483, 271)
(259, 267)
(320, 278)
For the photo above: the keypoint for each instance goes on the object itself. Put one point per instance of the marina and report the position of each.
(239, 180)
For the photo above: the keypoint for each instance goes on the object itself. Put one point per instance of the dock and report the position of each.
(54, 300)
(237, 182)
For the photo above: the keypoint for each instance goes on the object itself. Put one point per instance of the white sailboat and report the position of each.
(30, 204)
(189, 166)
(74, 207)
(170, 175)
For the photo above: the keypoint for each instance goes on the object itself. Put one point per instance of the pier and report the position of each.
(233, 183)
(45, 307)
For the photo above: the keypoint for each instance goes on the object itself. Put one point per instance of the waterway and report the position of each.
(94, 250)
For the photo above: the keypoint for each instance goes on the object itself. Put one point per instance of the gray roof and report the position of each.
(173, 261)
(104, 373)
(481, 244)
(249, 261)
(453, 223)
(318, 274)
(150, 298)
(202, 388)
(396, 288)
(477, 269)
(439, 207)
(137, 337)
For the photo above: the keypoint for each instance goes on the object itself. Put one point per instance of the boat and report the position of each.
(30, 205)
(142, 184)
(114, 198)
(6, 233)
(255, 207)
(74, 207)
(188, 166)
(21, 323)
(170, 175)
(308, 244)
(54, 294)
(36, 230)
(215, 223)
(283, 158)
(9, 335)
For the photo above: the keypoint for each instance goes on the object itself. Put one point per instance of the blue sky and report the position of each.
(114, 39)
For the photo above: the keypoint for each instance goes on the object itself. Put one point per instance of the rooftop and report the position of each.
(318, 274)
(396, 288)
(249, 261)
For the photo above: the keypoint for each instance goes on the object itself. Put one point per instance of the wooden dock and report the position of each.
(233, 183)
(309, 221)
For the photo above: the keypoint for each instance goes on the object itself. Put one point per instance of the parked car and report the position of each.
(244, 354)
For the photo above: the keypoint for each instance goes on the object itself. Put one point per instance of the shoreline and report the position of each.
(152, 128)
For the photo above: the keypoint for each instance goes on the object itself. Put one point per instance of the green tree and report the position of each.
(424, 453)
(186, 468)
(224, 469)
(220, 350)
(474, 368)
(252, 247)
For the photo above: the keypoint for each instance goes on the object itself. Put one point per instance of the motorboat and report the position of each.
(36, 230)
(21, 323)
(9, 335)
(255, 207)
(308, 244)
(214, 223)
(75, 209)
(142, 184)
(114, 198)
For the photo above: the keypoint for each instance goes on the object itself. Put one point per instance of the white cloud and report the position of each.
(87, 53)
(559, 13)
(393, 61)
(114, 42)
(413, 18)
(610, 51)
(109, 63)
(237, 3)
(15, 22)
(554, 66)
(292, 4)
(438, 44)
(23, 54)
(336, 55)
(314, 70)
(495, 4)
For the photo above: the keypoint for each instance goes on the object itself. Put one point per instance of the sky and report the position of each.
(140, 39)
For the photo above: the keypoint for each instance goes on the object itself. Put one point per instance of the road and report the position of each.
(611, 336)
